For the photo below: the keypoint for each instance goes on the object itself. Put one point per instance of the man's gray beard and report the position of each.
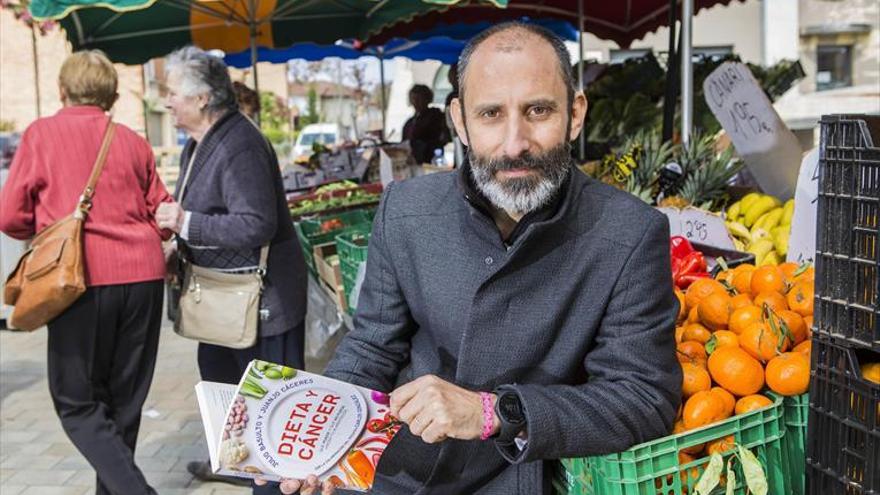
(522, 195)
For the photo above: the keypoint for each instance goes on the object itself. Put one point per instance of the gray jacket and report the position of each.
(238, 204)
(577, 316)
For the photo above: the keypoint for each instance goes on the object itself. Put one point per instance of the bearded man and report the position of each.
(517, 310)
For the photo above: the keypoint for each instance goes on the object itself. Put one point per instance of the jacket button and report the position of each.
(489, 260)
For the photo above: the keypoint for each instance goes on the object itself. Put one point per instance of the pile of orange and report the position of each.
(738, 335)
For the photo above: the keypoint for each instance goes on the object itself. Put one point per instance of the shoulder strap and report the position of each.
(85, 201)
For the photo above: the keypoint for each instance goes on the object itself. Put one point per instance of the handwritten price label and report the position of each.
(698, 226)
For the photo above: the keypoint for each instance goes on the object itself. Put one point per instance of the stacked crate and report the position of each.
(843, 433)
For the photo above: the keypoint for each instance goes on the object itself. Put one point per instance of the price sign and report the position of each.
(769, 148)
(699, 226)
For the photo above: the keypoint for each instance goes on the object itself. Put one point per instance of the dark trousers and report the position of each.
(225, 365)
(102, 352)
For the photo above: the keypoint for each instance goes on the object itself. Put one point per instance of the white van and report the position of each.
(329, 135)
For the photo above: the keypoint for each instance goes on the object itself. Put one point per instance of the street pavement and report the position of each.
(37, 458)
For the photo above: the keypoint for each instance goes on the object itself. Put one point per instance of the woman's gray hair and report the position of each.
(203, 73)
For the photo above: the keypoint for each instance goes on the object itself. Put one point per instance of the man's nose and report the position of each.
(516, 139)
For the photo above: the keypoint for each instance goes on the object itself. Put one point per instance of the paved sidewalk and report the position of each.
(36, 457)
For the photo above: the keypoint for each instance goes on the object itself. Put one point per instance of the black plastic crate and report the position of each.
(847, 255)
(843, 431)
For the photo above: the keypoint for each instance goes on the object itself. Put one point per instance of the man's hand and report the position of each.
(308, 486)
(436, 410)
(170, 216)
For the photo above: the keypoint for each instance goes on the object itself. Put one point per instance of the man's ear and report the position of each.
(578, 112)
(457, 112)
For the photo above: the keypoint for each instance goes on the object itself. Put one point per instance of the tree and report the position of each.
(274, 117)
(311, 116)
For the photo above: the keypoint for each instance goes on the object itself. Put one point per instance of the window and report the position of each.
(833, 66)
(620, 56)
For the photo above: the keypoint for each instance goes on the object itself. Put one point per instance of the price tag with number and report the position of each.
(705, 227)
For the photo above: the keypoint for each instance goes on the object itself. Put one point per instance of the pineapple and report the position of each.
(707, 173)
(673, 202)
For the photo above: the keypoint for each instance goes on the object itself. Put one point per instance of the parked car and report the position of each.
(8, 144)
(329, 135)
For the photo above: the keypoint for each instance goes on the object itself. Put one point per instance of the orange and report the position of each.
(725, 338)
(702, 408)
(678, 427)
(701, 288)
(788, 268)
(721, 445)
(800, 298)
(740, 301)
(762, 343)
(693, 316)
(682, 305)
(808, 275)
(725, 276)
(742, 281)
(775, 300)
(751, 402)
(805, 348)
(692, 352)
(871, 372)
(788, 374)
(726, 397)
(741, 318)
(695, 331)
(745, 267)
(714, 310)
(794, 322)
(694, 378)
(679, 331)
(808, 321)
(767, 278)
(736, 371)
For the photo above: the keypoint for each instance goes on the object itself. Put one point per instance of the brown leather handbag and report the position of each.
(49, 276)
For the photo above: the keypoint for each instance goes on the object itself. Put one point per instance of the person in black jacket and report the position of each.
(426, 130)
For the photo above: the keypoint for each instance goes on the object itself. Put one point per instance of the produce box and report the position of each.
(795, 411)
(653, 467)
(843, 433)
(352, 248)
(327, 265)
(324, 229)
(847, 286)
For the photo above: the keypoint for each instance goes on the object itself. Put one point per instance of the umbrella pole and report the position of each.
(687, 72)
(582, 139)
(671, 70)
(253, 40)
(382, 88)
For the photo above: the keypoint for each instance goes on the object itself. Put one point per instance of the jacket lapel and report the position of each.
(206, 148)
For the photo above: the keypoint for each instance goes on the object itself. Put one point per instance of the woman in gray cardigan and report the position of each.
(233, 204)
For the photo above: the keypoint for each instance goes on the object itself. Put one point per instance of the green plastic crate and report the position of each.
(796, 409)
(309, 231)
(352, 248)
(652, 468)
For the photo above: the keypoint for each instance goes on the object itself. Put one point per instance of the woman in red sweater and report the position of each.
(102, 350)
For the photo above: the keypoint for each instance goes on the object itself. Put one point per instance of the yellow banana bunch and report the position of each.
(760, 224)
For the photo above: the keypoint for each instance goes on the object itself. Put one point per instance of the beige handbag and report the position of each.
(217, 307)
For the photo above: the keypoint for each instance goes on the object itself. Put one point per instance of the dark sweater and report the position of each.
(237, 200)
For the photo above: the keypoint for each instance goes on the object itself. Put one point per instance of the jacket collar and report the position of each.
(212, 139)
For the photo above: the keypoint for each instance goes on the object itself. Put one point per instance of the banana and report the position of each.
(760, 248)
(739, 230)
(747, 201)
(738, 244)
(780, 239)
(760, 207)
(758, 234)
(772, 258)
(733, 211)
(788, 212)
(772, 218)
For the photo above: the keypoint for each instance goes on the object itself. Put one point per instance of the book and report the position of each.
(280, 422)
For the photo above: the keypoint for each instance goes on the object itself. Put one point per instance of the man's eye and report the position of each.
(489, 114)
(539, 111)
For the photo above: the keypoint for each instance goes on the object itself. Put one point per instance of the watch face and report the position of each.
(510, 408)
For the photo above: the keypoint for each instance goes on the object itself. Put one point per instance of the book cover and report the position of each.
(280, 422)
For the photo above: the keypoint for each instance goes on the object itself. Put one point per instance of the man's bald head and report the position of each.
(510, 37)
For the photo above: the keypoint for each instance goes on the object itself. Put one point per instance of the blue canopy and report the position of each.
(442, 43)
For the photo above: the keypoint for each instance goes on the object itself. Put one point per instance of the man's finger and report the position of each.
(420, 424)
(328, 488)
(406, 392)
(289, 487)
(434, 433)
(413, 408)
(310, 485)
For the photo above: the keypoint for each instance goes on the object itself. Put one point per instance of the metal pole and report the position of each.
(253, 35)
(382, 88)
(582, 139)
(670, 97)
(36, 68)
(687, 71)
